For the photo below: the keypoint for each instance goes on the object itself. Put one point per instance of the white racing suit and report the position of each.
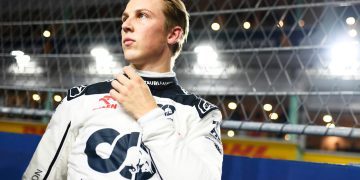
(90, 136)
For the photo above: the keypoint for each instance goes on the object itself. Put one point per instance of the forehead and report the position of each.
(155, 6)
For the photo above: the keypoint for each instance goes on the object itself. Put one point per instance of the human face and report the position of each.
(144, 39)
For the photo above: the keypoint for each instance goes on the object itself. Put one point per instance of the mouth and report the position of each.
(128, 41)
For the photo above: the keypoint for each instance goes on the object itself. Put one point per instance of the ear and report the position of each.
(174, 35)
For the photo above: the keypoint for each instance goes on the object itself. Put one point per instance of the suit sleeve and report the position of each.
(50, 158)
(195, 155)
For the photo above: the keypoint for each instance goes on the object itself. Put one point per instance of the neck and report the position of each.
(159, 64)
(160, 67)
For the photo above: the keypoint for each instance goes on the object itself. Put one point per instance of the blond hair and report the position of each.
(176, 15)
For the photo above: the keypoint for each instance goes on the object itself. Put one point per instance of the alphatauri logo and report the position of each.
(169, 110)
(107, 151)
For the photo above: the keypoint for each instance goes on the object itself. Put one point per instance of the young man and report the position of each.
(142, 125)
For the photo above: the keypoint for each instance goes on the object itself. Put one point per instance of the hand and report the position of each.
(132, 93)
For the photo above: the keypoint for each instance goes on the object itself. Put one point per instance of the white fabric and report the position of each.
(177, 144)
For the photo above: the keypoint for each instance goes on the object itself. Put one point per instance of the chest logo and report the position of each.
(107, 151)
(107, 102)
(168, 110)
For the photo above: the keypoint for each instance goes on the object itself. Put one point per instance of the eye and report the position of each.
(123, 19)
(142, 15)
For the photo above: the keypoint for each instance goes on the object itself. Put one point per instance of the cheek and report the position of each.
(155, 38)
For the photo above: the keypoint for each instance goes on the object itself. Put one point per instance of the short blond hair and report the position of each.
(176, 15)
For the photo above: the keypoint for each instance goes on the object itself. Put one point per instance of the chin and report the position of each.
(130, 56)
(132, 59)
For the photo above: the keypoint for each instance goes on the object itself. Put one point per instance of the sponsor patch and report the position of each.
(76, 92)
(203, 107)
(106, 102)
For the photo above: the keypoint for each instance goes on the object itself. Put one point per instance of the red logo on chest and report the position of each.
(107, 103)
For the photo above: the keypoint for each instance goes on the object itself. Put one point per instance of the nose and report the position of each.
(127, 26)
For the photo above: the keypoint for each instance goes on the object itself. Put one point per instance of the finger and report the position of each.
(116, 85)
(116, 95)
(122, 79)
(131, 73)
(119, 87)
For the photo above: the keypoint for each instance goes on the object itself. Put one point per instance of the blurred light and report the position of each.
(267, 107)
(207, 63)
(287, 137)
(301, 23)
(353, 33)
(273, 116)
(99, 52)
(23, 60)
(280, 24)
(344, 57)
(46, 33)
(103, 59)
(57, 98)
(23, 64)
(36, 97)
(246, 25)
(17, 53)
(232, 105)
(231, 133)
(330, 125)
(334, 143)
(345, 51)
(327, 118)
(206, 56)
(215, 26)
(350, 20)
